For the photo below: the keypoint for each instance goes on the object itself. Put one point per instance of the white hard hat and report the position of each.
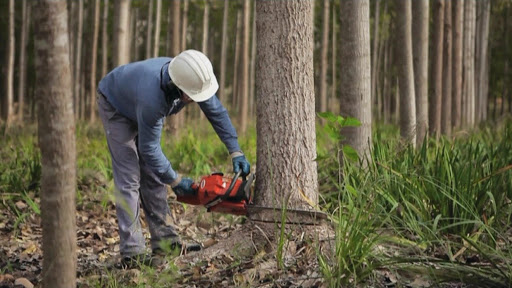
(192, 72)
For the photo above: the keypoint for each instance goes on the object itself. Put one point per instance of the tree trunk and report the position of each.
(9, 99)
(446, 116)
(437, 70)
(244, 95)
(468, 88)
(104, 40)
(406, 72)
(57, 142)
(324, 60)
(286, 149)
(252, 86)
(333, 53)
(176, 120)
(355, 56)
(206, 20)
(481, 106)
(184, 26)
(149, 28)
(375, 50)
(457, 62)
(92, 84)
(121, 50)
(22, 65)
(236, 66)
(223, 51)
(420, 14)
(78, 60)
(156, 46)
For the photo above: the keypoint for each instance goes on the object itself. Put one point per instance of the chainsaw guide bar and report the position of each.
(286, 216)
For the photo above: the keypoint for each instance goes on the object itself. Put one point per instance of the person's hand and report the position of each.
(184, 187)
(240, 163)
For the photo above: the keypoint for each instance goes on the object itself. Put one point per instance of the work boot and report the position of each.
(136, 261)
(178, 247)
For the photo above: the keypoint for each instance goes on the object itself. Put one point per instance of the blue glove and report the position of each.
(241, 163)
(184, 188)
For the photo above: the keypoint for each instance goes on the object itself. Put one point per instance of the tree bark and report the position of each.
(57, 141)
(437, 70)
(156, 46)
(121, 50)
(406, 72)
(481, 105)
(457, 62)
(94, 48)
(9, 99)
(286, 150)
(236, 66)
(206, 21)
(355, 56)
(446, 116)
(244, 96)
(420, 14)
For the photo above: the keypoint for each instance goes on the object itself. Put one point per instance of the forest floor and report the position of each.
(98, 247)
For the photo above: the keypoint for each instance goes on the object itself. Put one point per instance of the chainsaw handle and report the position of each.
(233, 182)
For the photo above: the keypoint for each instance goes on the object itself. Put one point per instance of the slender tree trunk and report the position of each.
(457, 62)
(286, 169)
(206, 21)
(236, 66)
(375, 50)
(252, 87)
(406, 72)
(184, 26)
(481, 113)
(158, 11)
(9, 103)
(355, 59)
(334, 64)
(57, 142)
(150, 28)
(22, 65)
(446, 116)
(245, 66)
(175, 121)
(104, 40)
(223, 51)
(420, 14)
(468, 94)
(78, 60)
(92, 92)
(324, 56)
(386, 90)
(437, 70)
(121, 50)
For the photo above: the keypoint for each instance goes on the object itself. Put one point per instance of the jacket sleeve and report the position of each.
(150, 132)
(221, 123)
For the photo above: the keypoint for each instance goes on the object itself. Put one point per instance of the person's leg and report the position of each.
(154, 202)
(121, 133)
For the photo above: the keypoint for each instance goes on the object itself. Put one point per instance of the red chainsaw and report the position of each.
(218, 193)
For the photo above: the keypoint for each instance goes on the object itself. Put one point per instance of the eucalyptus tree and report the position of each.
(56, 133)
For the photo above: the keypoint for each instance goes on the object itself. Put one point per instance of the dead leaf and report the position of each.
(23, 282)
(6, 278)
(21, 205)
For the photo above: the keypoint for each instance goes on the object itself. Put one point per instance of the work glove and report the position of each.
(184, 187)
(240, 163)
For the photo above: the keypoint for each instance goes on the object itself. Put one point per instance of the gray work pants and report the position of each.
(134, 180)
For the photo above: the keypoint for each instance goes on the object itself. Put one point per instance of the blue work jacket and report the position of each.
(136, 91)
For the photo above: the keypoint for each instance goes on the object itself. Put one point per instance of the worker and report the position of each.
(133, 102)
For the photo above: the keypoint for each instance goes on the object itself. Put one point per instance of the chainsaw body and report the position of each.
(218, 193)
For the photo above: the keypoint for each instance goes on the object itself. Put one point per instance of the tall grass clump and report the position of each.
(447, 200)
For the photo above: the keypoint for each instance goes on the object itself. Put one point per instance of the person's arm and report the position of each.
(150, 132)
(219, 118)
